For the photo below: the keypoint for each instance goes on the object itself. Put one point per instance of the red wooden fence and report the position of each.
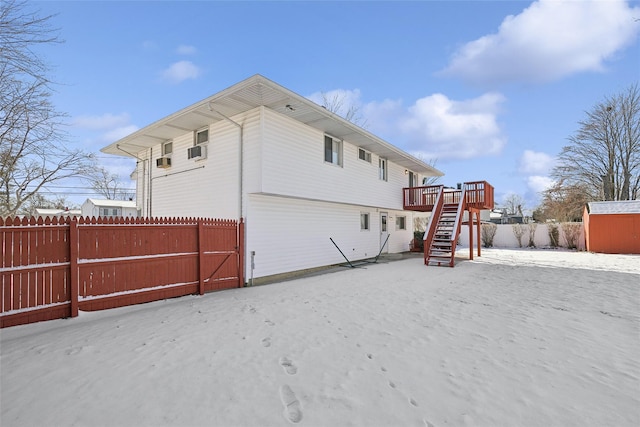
(52, 268)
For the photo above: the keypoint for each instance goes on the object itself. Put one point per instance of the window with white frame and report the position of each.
(201, 136)
(382, 169)
(332, 150)
(364, 221)
(167, 148)
(401, 223)
(364, 155)
(110, 211)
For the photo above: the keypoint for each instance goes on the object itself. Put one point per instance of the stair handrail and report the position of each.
(457, 223)
(432, 224)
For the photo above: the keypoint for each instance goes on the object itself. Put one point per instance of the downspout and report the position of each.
(240, 173)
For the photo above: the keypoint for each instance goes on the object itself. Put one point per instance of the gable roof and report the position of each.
(614, 207)
(254, 92)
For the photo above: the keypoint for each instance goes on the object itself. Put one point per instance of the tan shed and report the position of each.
(612, 227)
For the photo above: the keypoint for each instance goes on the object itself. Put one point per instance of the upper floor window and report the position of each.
(201, 136)
(364, 155)
(167, 148)
(332, 150)
(382, 169)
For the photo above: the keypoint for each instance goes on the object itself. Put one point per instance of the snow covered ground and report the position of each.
(514, 338)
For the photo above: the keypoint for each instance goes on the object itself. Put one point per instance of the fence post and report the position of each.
(74, 289)
(201, 257)
(241, 253)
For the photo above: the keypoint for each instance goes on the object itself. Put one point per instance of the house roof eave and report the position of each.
(251, 93)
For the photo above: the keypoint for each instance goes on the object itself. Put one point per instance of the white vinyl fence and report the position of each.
(505, 237)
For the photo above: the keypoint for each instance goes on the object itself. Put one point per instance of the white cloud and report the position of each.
(535, 163)
(434, 127)
(186, 50)
(438, 127)
(104, 121)
(547, 41)
(181, 71)
(105, 128)
(383, 117)
(535, 167)
(118, 133)
(538, 184)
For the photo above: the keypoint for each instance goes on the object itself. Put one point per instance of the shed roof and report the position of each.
(614, 207)
(254, 92)
(113, 203)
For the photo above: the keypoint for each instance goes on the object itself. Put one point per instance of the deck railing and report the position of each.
(478, 194)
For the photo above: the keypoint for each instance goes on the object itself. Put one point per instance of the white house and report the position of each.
(297, 173)
(106, 208)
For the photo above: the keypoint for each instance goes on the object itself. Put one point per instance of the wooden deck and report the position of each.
(478, 195)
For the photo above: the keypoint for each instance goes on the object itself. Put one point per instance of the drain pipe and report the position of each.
(240, 173)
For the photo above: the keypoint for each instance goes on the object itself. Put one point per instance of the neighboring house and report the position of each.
(612, 227)
(107, 208)
(58, 213)
(296, 173)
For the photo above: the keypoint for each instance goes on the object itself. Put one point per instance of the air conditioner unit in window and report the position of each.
(163, 162)
(197, 152)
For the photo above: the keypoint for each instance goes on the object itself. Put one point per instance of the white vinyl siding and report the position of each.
(208, 188)
(292, 234)
(292, 164)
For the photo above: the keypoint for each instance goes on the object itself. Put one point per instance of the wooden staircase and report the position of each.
(442, 248)
(447, 207)
(444, 228)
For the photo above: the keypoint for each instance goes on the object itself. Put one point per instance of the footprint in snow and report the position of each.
(269, 322)
(288, 366)
(266, 342)
(292, 410)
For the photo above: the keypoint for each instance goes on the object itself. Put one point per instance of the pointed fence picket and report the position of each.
(52, 268)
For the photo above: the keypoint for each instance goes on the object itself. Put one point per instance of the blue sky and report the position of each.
(491, 89)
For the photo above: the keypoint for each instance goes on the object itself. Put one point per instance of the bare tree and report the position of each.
(40, 201)
(109, 185)
(514, 203)
(32, 148)
(337, 102)
(603, 157)
(562, 202)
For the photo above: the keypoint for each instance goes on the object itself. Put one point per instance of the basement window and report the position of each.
(364, 221)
